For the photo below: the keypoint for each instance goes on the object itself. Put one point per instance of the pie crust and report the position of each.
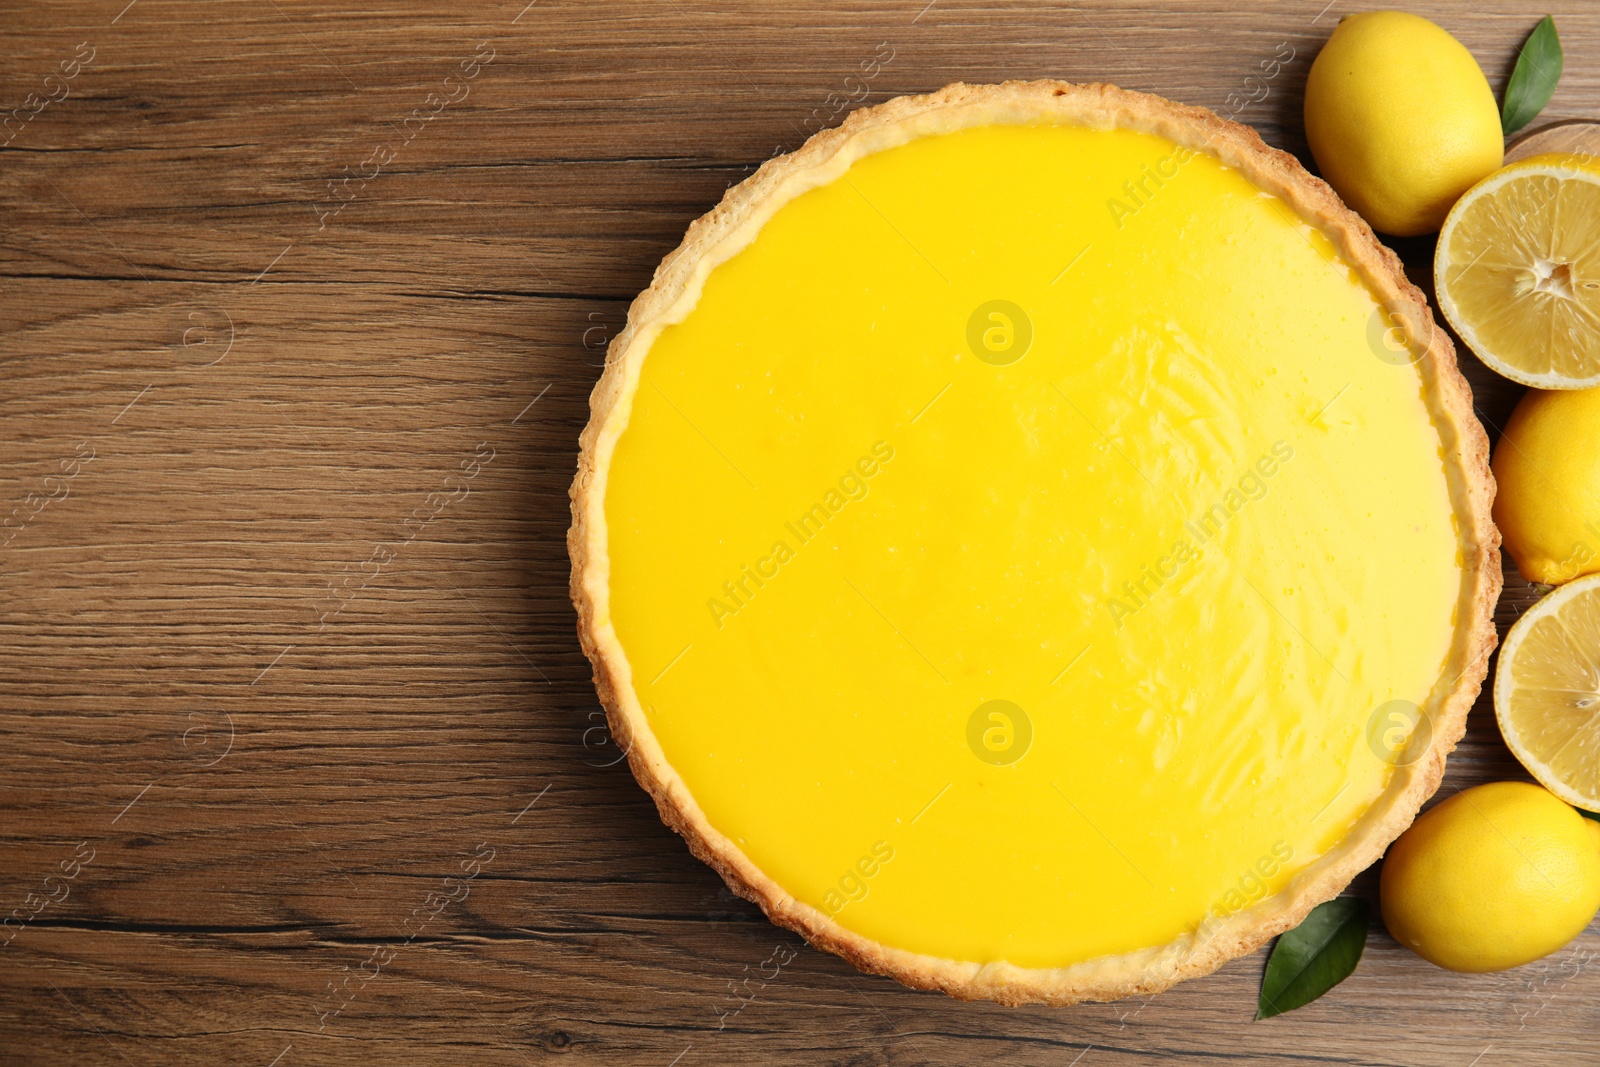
(734, 223)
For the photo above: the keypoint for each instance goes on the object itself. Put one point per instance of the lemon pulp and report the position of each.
(1547, 692)
(1013, 545)
(1518, 270)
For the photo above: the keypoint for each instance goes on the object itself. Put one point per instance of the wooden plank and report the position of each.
(262, 717)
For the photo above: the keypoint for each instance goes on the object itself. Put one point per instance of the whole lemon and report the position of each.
(1547, 465)
(1401, 120)
(1495, 877)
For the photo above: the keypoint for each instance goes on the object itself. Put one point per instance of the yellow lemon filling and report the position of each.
(1015, 546)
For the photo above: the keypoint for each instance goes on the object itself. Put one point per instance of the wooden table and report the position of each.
(302, 307)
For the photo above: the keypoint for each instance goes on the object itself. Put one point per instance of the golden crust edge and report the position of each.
(1472, 488)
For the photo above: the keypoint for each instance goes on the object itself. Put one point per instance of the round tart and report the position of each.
(1032, 542)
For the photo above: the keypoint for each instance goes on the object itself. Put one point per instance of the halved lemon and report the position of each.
(1547, 691)
(1518, 270)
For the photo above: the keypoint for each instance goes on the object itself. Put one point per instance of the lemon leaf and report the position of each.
(1533, 79)
(1315, 956)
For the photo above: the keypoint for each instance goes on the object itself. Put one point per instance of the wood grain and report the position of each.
(1574, 135)
(302, 762)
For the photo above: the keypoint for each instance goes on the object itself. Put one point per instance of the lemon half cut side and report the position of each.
(1518, 271)
(1547, 692)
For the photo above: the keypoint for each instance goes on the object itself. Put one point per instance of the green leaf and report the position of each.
(1315, 956)
(1533, 80)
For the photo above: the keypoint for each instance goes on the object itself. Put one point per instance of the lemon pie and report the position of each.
(1031, 542)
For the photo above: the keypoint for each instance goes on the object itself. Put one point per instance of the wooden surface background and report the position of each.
(301, 309)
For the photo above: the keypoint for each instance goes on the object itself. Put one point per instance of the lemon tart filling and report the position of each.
(1012, 544)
